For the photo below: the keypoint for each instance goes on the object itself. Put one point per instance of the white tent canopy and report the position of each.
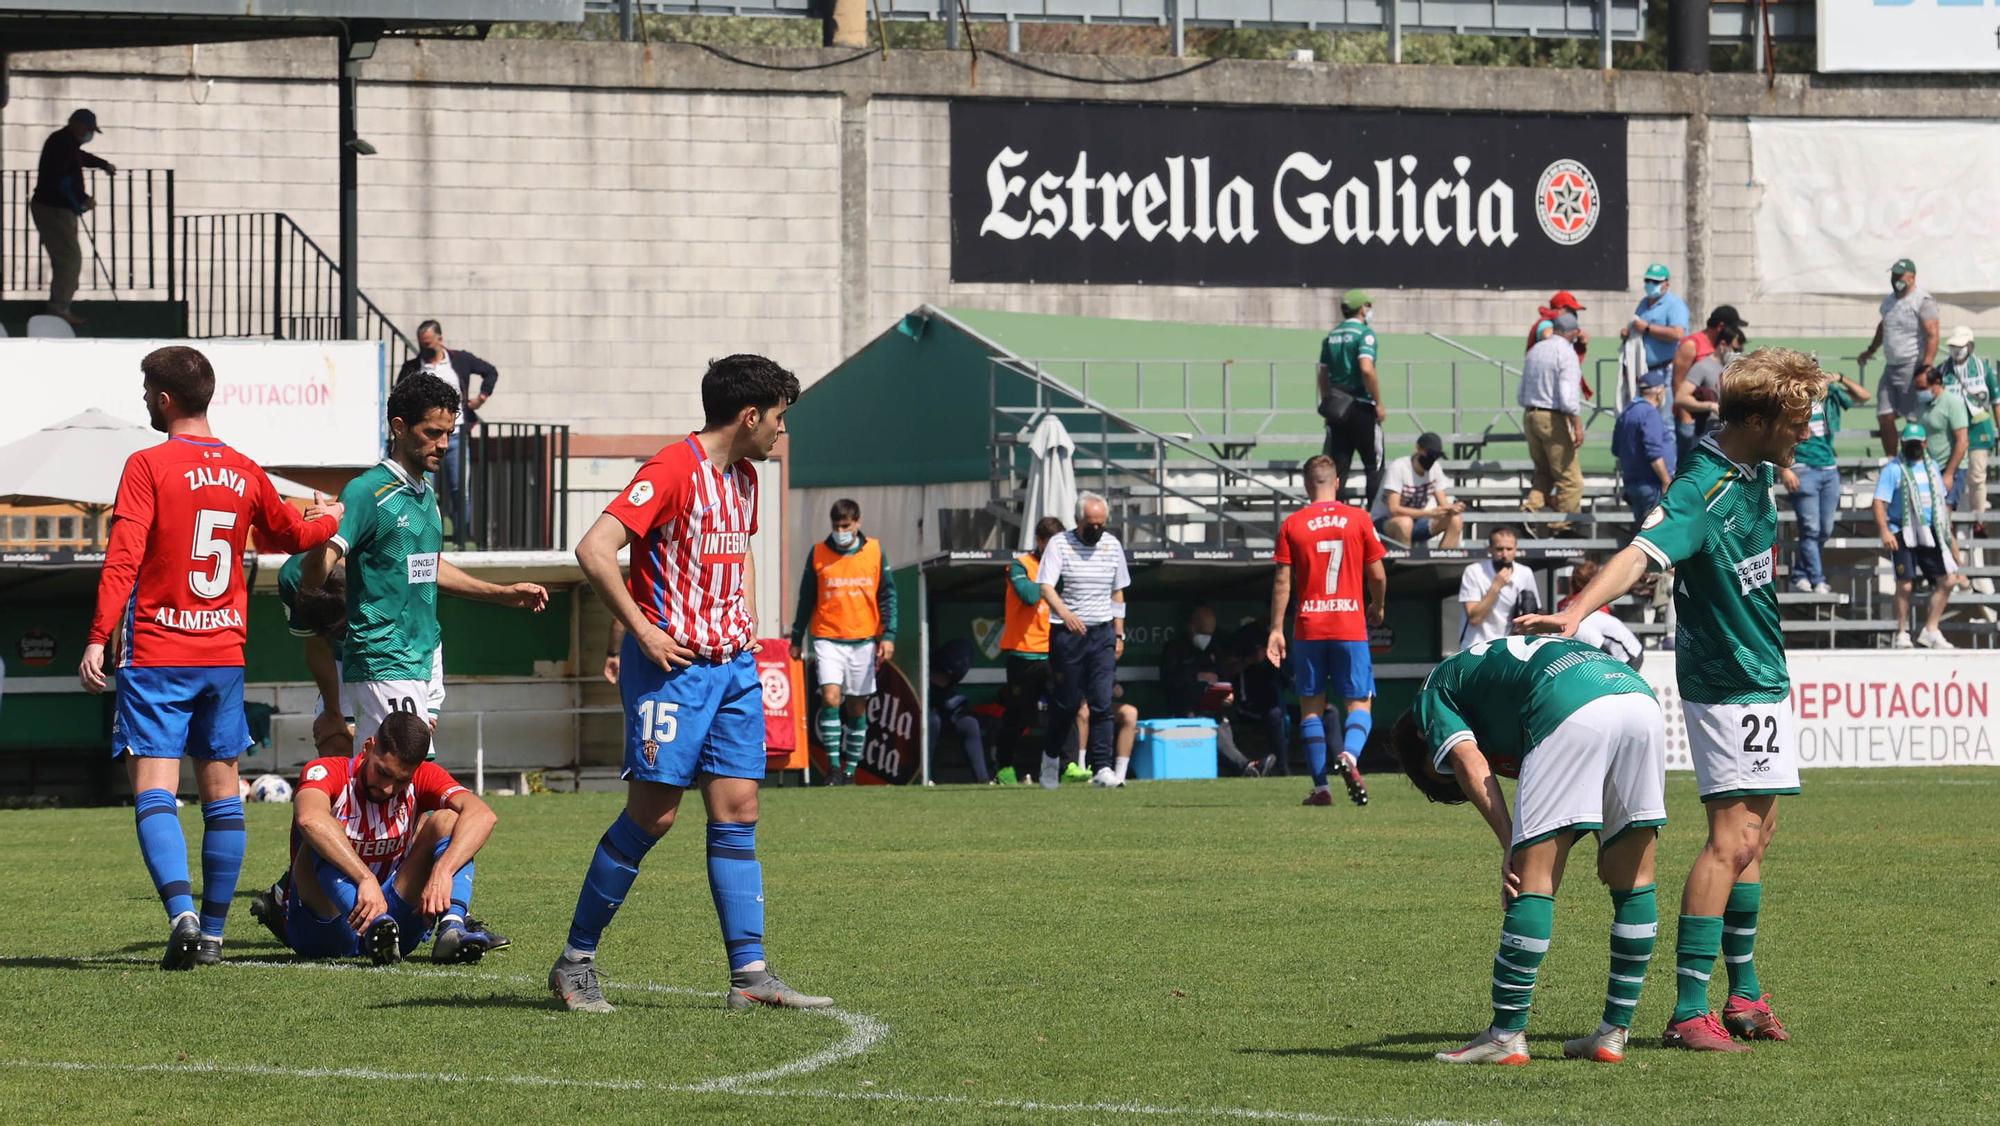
(79, 460)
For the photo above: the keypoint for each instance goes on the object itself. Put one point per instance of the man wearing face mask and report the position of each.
(1698, 391)
(1660, 320)
(1972, 379)
(456, 367)
(1191, 677)
(847, 603)
(1413, 506)
(1914, 525)
(1350, 394)
(1947, 425)
(1083, 579)
(1644, 446)
(59, 200)
(1907, 337)
(1551, 403)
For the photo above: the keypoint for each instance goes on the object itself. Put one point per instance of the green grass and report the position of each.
(1185, 947)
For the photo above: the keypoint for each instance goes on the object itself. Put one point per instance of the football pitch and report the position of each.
(1196, 951)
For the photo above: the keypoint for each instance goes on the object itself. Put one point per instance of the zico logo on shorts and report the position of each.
(1757, 570)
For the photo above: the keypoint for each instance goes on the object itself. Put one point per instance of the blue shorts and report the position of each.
(163, 712)
(1342, 670)
(313, 937)
(702, 719)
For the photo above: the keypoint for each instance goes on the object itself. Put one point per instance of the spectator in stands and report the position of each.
(1551, 404)
(1191, 678)
(1907, 337)
(1350, 394)
(1644, 446)
(950, 663)
(1661, 318)
(1814, 480)
(1083, 578)
(1915, 528)
(1024, 644)
(59, 200)
(1697, 388)
(1972, 379)
(1545, 316)
(1698, 350)
(1948, 423)
(456, 367)
(1495, 590)
(1414, 505)
(1602, 629)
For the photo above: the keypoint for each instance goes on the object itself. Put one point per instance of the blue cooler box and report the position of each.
(1174, 748)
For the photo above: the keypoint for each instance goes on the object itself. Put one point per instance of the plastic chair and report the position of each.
(48, 326)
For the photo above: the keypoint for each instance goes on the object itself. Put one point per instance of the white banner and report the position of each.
(1919, 35)
(1872, 707)
(1843, 200)
(288, 403)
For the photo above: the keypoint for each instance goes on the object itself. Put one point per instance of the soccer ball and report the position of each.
(271, 787)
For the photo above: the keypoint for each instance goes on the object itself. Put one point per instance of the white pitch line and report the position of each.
(1029, 1105)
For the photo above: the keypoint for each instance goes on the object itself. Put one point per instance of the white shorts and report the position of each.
(370, 702)
(1604, 768)
(1742, 750)
(846, 663)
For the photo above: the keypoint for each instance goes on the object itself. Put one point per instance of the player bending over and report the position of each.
(382, 845)
(1718, 528)
(172, 589)
(1583, 733)
(694, 709)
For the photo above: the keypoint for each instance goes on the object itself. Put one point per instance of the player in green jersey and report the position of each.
(1718, 529)
(393, 659)
(1583, 734)
(319, 619)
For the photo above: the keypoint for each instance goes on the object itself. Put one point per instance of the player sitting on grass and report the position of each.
(1583, 733)
(369, 869)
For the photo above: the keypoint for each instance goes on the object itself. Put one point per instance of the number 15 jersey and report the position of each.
(1328, 546)
(172, 583)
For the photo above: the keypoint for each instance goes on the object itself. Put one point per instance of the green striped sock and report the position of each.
(855, 736)
(1524, 942)
(828, 721)
(1695, 948)
(1635, 924)
(1739, 939)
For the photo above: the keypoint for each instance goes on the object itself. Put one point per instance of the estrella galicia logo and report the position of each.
(1567, 202)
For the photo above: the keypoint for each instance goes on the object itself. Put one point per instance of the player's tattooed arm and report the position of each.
(1482, 788)
(312, 815)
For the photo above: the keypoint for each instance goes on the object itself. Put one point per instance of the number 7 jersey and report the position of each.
(1328, 546)
(172, 583)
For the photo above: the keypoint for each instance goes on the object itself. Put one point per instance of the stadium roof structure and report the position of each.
(71, 25)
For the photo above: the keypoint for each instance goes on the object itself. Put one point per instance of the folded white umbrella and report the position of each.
(79, 460)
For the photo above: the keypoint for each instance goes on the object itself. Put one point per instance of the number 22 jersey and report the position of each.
(172, 583)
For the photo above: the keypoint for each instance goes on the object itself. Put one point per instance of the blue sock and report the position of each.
(1355, 738)
(461, 885)
(736, 881)
(222, 846)
(1314, 729)
(612, 871)
(164, 849)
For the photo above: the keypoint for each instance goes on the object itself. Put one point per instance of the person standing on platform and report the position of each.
(1350, 394)
(59, 201)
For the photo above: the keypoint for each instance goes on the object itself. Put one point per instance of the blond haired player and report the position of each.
(1718, 528)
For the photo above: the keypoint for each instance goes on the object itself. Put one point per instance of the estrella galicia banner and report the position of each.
(1226, 196)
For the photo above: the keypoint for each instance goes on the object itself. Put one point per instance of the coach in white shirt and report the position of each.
(1493, 590)
(1083, 579)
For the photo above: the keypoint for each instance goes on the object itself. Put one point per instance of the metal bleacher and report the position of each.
(1192, 469)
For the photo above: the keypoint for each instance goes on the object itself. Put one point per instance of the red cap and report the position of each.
(1564, 299)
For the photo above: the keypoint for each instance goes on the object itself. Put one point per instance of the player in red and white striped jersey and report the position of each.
(383, 843)
(694, 707)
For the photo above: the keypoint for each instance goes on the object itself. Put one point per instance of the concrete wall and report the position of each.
(600, 219)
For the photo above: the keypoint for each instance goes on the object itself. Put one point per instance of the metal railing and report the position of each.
(1130, 462)
(260, 274)
(128, 236)
(517, 486)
